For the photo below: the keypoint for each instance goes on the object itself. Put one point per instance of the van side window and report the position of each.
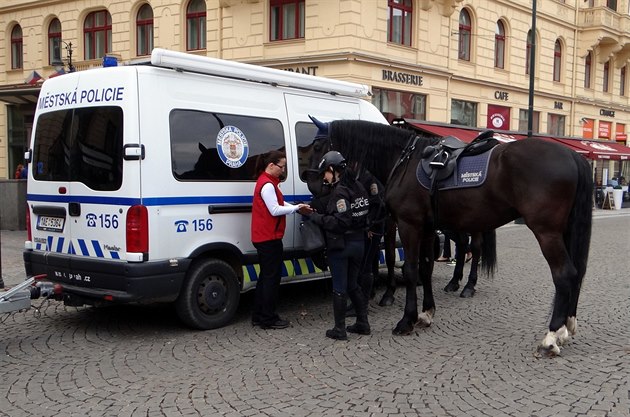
(81, 145)
(305, 136)
(220, 147)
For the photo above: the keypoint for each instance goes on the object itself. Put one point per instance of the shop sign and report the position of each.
(604, 130)
(558, 105)
(607, 113)
(501, 95)
(587, 128)
(402, 77)
(620, 132)
(498, 117)
(303, 70)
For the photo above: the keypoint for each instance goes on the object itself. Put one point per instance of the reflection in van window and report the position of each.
(220, 147)
(83, 145)
(305, 134)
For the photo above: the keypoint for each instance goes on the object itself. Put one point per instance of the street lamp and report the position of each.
(59, 63)
(532, 65)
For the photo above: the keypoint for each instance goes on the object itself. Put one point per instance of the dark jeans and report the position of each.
(268, 284)
(345, 266)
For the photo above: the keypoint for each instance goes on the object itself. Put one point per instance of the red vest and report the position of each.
(265, 226)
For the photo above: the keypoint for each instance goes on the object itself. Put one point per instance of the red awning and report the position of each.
(600, 149)
(590, 149)
(463, 134)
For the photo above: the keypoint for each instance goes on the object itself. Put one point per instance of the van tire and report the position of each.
(210, 295)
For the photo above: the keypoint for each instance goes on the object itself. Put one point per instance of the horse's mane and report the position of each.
(377, 147)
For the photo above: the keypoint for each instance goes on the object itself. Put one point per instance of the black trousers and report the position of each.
(268, 284)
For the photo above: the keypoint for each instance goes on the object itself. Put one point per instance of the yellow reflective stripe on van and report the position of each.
(290, 268)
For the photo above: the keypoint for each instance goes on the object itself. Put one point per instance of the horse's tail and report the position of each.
(489, 252)
(577, 236)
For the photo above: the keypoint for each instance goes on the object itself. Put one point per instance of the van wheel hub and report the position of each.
(212, 295)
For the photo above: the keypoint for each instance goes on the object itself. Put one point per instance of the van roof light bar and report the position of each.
(213, 66)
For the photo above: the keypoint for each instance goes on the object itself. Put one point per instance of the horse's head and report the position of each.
(321, 144)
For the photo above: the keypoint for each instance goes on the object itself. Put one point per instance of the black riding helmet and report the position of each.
(334, 160)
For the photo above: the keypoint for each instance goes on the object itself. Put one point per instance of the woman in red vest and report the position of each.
(269, 212)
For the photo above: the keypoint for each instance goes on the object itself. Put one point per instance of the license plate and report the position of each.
(50, 224)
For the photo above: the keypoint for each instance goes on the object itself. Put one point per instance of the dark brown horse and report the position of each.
(545, 183)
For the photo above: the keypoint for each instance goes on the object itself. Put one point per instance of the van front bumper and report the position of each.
(110, 280)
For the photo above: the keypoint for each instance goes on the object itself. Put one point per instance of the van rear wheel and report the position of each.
(210, 295)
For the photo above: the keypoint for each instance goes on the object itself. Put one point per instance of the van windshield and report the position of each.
(83, 145)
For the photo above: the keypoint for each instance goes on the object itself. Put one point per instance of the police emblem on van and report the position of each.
(232, 146)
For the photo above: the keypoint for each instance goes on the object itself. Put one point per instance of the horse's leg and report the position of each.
(411, 245)
(427, 257)
(564, 277)
(475, 248)
(390, 260)
(460, 254)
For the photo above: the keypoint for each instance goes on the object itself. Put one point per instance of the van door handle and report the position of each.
(74, 209)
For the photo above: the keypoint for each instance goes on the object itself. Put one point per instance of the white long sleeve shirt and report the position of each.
(268, 194)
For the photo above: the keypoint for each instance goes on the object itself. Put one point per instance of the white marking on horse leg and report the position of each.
(572, 325)
(426, 318)
(563, 335)
(550, 343)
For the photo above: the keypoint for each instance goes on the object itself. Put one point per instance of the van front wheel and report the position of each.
(210, 295)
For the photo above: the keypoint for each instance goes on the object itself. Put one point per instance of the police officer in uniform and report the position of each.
(344, 222)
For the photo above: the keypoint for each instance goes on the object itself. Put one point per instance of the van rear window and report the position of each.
(83, 145)
(220, 147)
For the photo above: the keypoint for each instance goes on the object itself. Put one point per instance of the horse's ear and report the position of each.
(202, 148)
(322, 128)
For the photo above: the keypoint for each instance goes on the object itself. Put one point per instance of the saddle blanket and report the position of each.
(471, 171)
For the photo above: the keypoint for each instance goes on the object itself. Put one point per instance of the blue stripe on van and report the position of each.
(154, 201)
(97, 249)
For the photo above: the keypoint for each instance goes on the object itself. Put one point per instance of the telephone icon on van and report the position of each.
(91, 219)
(181, 226)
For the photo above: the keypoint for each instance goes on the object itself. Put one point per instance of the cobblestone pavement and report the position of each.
(476, 360)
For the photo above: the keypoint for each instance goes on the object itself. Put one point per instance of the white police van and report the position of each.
(141, 178)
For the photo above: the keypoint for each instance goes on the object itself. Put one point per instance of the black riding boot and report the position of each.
(339, 311)
(360, 304)
(366, 285)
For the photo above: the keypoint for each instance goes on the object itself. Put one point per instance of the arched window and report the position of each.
(144, 30)
(196, 25)
(399, 21)
(557, 61)
(97, 34)
(54, 42)
(287, 19)
(528, 51)
(465, 31)
(499, 45)
(606, 76)
(588, 70)
(16, 48)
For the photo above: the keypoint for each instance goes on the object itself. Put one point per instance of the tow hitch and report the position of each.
(19, 297)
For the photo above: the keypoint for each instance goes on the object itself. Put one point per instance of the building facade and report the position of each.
(458, 62)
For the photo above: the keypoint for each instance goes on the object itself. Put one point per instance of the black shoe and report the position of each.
(277, 324)
(337, 333)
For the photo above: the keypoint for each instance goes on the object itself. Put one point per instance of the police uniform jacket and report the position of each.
(376, 196)
(346, 212)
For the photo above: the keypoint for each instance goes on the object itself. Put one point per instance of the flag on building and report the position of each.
(58, 72)
(33, 78)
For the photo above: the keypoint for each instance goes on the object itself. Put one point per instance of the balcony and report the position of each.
(603, 29)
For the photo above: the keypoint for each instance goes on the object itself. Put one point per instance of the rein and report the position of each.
(405, 155)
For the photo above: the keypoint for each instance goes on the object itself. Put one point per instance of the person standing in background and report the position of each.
(269, 212)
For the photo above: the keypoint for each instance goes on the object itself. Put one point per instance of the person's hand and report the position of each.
(305, 209)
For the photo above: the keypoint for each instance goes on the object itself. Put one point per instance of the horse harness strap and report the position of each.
(404, 155)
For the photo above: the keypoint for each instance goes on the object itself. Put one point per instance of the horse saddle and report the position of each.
(440, 161)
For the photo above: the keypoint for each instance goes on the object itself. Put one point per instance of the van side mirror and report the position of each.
(133, 152)
(28, 155)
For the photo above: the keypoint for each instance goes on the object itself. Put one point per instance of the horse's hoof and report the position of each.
(386, 301)
(425, 319)
(451, 287)
(402, 329)
(544, 352)
(467, 292)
